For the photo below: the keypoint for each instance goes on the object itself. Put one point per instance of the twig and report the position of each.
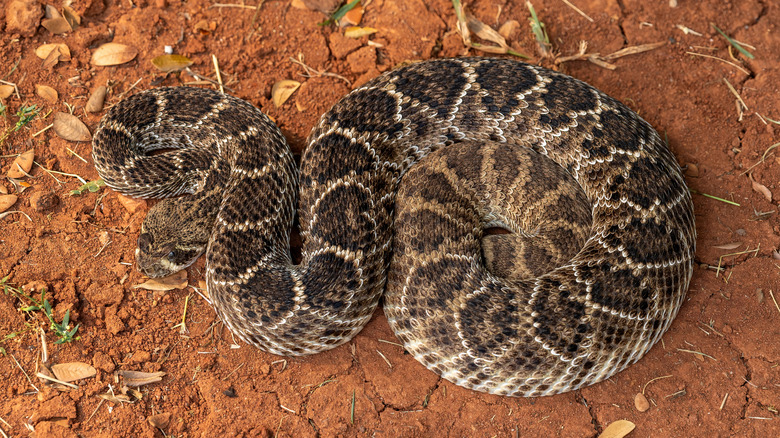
(96, 409)
(233, 5)
(25, 374)
(773, 299)
(578, 10)
(696, 352)
(721, 60)
(52, 379)
(310, 72)
(74, 153)
(216, 70)
(50, 172)
(739, 99)
(723, 403)
(653, 380)
(43, 130)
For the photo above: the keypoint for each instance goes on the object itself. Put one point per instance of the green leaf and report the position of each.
(340, 13)
(734, 43)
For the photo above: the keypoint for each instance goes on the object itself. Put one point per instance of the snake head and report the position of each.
(168, 242)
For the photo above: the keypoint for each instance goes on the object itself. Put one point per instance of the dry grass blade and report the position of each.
(602, 61)
(719, 59)
(576, 9)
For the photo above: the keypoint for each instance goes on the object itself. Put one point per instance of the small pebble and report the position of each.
(640, 402)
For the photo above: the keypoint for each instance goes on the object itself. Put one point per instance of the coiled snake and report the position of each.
(401, 188)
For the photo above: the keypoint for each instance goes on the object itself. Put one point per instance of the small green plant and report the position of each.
(539, 30)
(340, 12)
(64, 334)
(91, 186)
(25, 115)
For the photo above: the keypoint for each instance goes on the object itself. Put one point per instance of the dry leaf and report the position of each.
(508, 28)
(160, 421)
(640, 402)
(484, 31)
(617, 429)
(70, 372)
(6, 91)
(113, 54)
(169, 63)
(692, 170)
(729, 246)
(176, 280)
(48, 93)
(57, 25)
(324, 6)
(96, 100)
(138, 378)
(52, 59)
(353, 16)
(6, 201)
(3, 190)
(21, 165)
(51, 12)
(44, 50)
(282, 91)
(74, 20)
(357, 32)
(760, 188)
(775, 254)
(115, 398)
(70, 127)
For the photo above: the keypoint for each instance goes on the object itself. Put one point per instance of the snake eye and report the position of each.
(171, 255)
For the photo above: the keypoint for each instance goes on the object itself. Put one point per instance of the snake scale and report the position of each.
(530, 235)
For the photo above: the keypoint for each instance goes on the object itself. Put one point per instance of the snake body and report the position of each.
(401, 189)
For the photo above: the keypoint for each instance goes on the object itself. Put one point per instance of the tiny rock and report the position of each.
(130, 204)
(44, 201)
(160, 421)
(640, 402)
(23, 17)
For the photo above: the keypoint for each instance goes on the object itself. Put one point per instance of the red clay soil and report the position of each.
(716, 372)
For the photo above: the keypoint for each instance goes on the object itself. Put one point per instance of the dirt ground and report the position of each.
(716, 373)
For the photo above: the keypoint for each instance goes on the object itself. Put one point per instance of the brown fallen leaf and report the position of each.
(44, 50)
(357, 32)
(617, 429)
(760, 188)
(160, 421)
(48, 93)
(640, 402)
(74, 20)
(169, 63)
(775, 254)
(3, 190)
(6, 91)
(176, 280)
(6, 201)
(70, 127)
(692, 170)
(139, 378)
(57, 26)
(22, 165)
(96, 100)
(72, 371)
(205, 27)
(113, 54)
(729, 246)
(52, 60)
(282, 91)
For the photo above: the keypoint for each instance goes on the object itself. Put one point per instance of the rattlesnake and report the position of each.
(606, 227)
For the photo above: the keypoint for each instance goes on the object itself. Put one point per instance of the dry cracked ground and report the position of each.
(715, 373)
